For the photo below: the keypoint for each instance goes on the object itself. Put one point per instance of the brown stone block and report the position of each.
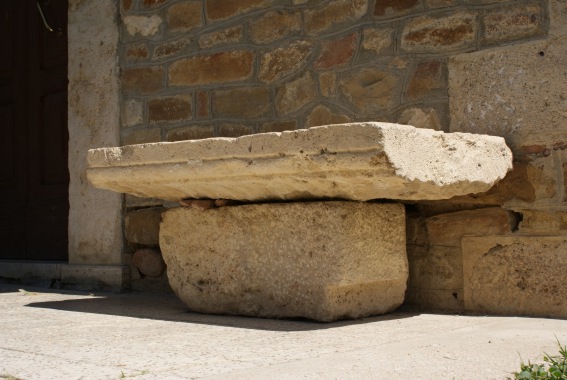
(149, 262)
(377, 40)
(395, 8)
(184, 16)
(234, 130)
(192, 132)
(448, 229)
(168, 49)
(173, 108)
(274, 26)
(141, 136)
(142, 226)
(223, 9)
(516, 275)
(337, 52)
(242, 102)
(328, 83)
(278, 126)
(438, 34)
(222, 67)
(512, 23)
(126, 5)
(142, 80)
(224, 36)
(371, 90)
(426, 78)
(322, 115)
(334, 13)
(203, 102)
(284, 61)
(137, 52)
(295, 94)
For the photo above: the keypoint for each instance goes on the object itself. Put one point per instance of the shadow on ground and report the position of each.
(170, 308)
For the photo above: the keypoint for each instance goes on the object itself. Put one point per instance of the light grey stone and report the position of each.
(517, 92)
(132, 113)
(143, 25)
(318, 260)
(357, 161)
(95, 216)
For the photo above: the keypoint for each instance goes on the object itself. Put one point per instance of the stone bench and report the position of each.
(327, 255)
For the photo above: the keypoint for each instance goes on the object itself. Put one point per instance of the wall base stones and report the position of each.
(318, 260)
(516, 275)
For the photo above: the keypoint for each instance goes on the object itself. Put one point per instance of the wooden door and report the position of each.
(34, 176)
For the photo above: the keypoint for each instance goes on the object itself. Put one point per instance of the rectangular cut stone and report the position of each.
(487, 91)
(358, 161)
(516, 275)
(221, 67)
(318, 260)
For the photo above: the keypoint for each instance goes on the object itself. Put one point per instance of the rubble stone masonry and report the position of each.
(211, 65)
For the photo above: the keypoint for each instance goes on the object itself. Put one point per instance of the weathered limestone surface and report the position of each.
(95, 216)
(516, 275)
(319, 260)
(517, 92)
(358, 161)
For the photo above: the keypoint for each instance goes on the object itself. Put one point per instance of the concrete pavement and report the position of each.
(47, 334)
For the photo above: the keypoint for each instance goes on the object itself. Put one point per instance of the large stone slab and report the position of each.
(516, 275)
(318, 260)
(358, 161)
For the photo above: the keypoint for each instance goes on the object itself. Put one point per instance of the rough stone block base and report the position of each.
(516, 275)
(318, 260)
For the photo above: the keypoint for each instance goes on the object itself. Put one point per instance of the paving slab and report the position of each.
(48, 334)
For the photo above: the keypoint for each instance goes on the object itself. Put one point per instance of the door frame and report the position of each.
(95, 216)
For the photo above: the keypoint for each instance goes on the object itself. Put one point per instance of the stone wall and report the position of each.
(203, 68)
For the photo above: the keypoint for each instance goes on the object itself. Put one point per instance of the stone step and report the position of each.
(357, 161)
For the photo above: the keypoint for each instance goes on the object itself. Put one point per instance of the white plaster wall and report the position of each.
(95, 216)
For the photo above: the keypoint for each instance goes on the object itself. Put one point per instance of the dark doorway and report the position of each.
(34, 176)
